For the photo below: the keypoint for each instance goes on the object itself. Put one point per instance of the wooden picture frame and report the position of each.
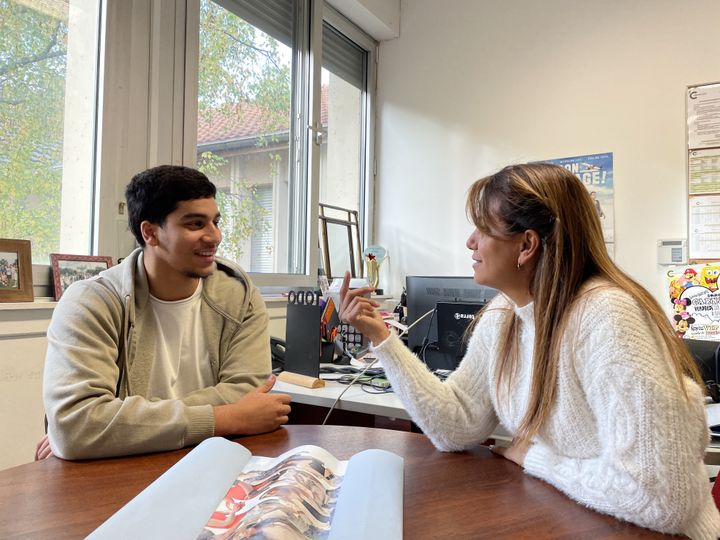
(67, 269)
(339, 238)
(15, 271)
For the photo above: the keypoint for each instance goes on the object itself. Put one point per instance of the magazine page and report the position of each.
(295, 495)
(371, 502)
(177, 504)
(292, 496)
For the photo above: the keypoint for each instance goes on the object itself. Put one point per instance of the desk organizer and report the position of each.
(304, 348)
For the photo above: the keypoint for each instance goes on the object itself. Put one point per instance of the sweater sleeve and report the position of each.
(649, 470)
(85, 418)
(455, 414)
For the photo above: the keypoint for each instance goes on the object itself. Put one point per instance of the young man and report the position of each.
(165, 349)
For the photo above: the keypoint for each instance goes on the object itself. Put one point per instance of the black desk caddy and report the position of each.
(304, 347)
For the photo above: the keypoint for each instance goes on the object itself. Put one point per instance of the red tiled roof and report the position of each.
(245, 121)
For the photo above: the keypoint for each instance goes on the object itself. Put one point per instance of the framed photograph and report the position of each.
(67, 269)
(15, 271)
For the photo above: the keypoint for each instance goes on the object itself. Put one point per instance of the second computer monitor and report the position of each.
(423, 294)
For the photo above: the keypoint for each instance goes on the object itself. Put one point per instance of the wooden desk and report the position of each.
(447, 495)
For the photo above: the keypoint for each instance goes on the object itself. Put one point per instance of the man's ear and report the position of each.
(529, 247)
(149, 233)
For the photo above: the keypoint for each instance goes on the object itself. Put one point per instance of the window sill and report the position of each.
(38, 303)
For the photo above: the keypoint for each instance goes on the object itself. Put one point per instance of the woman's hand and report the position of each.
(516, 452)
(361, 312)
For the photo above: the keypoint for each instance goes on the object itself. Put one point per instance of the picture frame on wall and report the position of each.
(67, 269)
(15, 271)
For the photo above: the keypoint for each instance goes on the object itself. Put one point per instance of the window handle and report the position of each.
(318, 132)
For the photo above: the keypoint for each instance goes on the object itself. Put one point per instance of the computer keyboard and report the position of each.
(339, 369)
(349, 370)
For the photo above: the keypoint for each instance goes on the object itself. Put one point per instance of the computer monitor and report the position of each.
(423, 294)
(705, 354)
(453, 320)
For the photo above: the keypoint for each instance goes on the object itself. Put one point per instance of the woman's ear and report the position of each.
(529, 248)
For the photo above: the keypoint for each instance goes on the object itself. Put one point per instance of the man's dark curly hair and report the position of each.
(153, 194)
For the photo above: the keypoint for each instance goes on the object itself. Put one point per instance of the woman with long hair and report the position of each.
(573, 358)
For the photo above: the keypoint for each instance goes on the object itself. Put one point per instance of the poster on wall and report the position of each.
(694, 301)
(596, 172)
(703, 116)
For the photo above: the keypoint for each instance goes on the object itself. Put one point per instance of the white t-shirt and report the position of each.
(182, 362)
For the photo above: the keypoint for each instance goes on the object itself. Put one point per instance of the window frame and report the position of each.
(368, 167)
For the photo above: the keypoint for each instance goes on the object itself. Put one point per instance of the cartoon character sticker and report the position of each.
(682, 323)
(680, 305)
(709, 277)
(689, 278)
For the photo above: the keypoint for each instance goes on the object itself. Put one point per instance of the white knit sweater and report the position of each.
(621, 439)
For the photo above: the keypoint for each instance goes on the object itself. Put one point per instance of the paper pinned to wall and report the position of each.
(704, 171)
(703, 116)
(704, 220)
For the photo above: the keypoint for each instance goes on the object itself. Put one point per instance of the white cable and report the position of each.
(371, 364)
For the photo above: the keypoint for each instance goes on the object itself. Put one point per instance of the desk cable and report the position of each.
(371, 364)
(426, 340)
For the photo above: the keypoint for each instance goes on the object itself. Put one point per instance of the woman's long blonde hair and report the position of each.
(551, 201)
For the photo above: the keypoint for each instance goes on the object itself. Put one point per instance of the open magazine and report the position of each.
(220, 491)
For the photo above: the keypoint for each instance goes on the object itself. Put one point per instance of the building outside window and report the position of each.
(249, 68)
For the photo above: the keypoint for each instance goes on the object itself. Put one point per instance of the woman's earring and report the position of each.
(519, 266)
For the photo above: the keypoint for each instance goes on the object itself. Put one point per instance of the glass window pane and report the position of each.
(48, 58)
(244, 111)
(343, 97)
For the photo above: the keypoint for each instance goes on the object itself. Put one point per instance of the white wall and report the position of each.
(472, 85)
(22, 350)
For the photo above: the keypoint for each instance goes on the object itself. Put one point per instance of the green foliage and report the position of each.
(242, 214)
(240, 68)
(33, 50)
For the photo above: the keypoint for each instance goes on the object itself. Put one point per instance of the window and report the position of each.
(231, 86)
(244, 119)
(48, 58)
(256, 91)
(343, 114)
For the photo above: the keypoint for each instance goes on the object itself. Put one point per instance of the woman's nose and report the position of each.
(470, 244)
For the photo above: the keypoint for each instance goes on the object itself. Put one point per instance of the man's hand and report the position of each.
(43, 450)
(515, 452)
(361, 312)
(256, 412)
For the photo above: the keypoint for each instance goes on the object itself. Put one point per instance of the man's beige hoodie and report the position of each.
(100, 354)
